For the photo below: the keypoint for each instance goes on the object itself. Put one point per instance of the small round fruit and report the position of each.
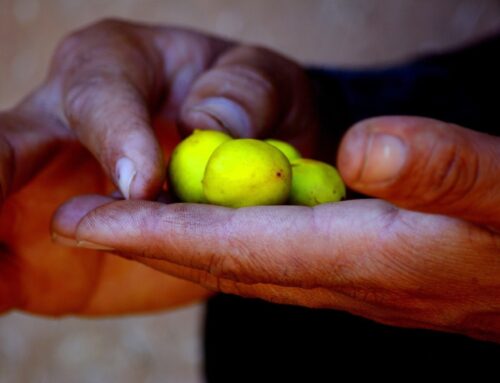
(315, 182)
(188, 161)
(247, 172)
(288, 150)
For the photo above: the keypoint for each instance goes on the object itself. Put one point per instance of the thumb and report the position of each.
(426, 165)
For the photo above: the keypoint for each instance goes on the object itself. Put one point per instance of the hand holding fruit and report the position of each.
(106, 86)
(368, 257)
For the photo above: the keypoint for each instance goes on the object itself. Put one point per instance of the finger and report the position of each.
(364, 249)
(126, 146)
(110, 81)
(66, 218)
(251, 92)
(425, 165)
(250, 245)
(232, 281)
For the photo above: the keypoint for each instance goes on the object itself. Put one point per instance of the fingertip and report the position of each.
(220, 113)
(374, 152)
(140, 173)
(423, 164)
(147, 185)
(65, 220)
(196, 119)
(125, 174)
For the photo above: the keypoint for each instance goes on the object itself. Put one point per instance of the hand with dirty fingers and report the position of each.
(423, 252)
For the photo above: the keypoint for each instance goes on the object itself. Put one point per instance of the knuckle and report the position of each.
(258, 78)
(264, 56)
(224, 266)
(442, 173)
(103, 27)
(75, 41)
(68, 47)
(237, 77)
(82, 46)
(454, 170)
(253, 49)
(261, 56)
(87, 94)
(283, 68)
(255, 64)
(79, 97)
(204, 47)
(238, 263)
(248, 86)
(218, 284)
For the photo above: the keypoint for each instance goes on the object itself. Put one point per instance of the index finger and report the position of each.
(113, 76)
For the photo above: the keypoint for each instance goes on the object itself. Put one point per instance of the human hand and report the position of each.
(42, 165)
(431, 259)
(106, 85)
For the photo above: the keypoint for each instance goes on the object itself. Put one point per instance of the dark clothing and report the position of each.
(252, 340)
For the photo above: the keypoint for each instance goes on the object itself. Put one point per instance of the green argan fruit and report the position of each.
(188, 161)
(288, 150)
(315, 182)
(247, 172)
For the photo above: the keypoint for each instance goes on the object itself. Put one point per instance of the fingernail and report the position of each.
(125, 173)
(93, 246)
(63, 240)
(227, 113)
(385, 156)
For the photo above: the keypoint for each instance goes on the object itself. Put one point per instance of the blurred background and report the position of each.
(341, 33)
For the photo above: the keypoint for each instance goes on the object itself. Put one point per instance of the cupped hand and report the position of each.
(429, 259)
(106, 85)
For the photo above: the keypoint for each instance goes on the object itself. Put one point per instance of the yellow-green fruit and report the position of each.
(315, 182)
(188, 162)
(247, 172)
(288, 150)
